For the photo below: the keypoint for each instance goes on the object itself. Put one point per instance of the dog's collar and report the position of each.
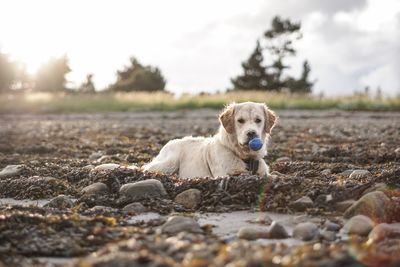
(252, 165)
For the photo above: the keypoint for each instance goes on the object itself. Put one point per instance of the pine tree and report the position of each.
(254, 75)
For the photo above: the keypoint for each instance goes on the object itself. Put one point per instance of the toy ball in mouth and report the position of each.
(255, 144)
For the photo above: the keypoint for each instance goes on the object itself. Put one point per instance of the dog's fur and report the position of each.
(224, 153)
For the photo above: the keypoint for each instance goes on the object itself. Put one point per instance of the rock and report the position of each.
(328, 235)
(107, 167)
(301, 204)
(253, 233)
(330, 226)
(190, 198)
(176, 224)
(261, 219)
(358, 225)
(373, 205)
(346, 172)
(60, 202)
(359, 174)
(88, 167)
(95, 155)
(134, 207)
(95, 189)
(143, 189)
(383, 231)
(326, 172)
(306, 231)
(277, 231)
(102, 209)
(344, 205)
(376, 187)
(397, 151)
(283, 159)
(11, 170)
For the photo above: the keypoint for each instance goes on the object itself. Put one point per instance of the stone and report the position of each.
(107, 167)
(306, 231)
(376, 187)
(359, 174)
(328, 235)
(11, 170)
(346, 172)
(283, 159)
(190, 198)
(397, 151)
(385, 230)
(60, 202)
(142, 189)
(95, 189)
(88, 167)
(176, 224)
(261, 219)
(326, 172)
(342, 206)
(102, 209)
(330, 226)
(373, 205)
(358, 225)
(301, 204)
(253, 233)
(277, 231)
(134, 207)
(95, 155)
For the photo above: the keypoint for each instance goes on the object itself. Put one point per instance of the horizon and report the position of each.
(349, 44)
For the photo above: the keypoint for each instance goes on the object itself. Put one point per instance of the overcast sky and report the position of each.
(199, 44)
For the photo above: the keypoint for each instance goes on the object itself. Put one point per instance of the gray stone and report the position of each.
(376, 187)
(107, 167)
(95, 155)
(358, 225)
(261, 219)
(301, 204)
(95, 189)
(397, 151)
(60, 202)
(385, 230)
(373, 205)
(306, 231)
(283, 159)
(176, 224)
(344, 205)
(277, 231)
(134, 207)
(253, 233)
(346, 172)
(190, 198)
(102, 209)
(326, 172)
(143, 189)
(11, 170)
(330, 226)
(328, 235)
(88, 167)
(359, 174)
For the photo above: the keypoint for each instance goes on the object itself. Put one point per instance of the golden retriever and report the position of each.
(227, 152)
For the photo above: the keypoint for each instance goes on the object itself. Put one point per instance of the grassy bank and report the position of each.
(104, 102)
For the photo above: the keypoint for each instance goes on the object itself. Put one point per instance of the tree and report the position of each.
(254, 73)
(137, 77)
(51, 76)
(8, 73)
(302, 85)
(88, 85)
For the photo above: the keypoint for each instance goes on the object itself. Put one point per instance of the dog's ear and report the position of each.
(227, 118)
(270, 119)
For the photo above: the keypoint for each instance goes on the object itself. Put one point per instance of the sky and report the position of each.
(200, 44)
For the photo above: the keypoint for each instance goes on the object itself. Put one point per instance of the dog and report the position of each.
(225, 153)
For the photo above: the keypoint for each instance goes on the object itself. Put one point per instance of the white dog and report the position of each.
(227, 152)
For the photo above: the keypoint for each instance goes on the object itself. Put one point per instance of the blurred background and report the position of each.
(133, 55)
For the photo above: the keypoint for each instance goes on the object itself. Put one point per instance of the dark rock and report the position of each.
(143, 189)
(95, 189)
(306, 231)
(330, 226)
(358, 225)
(301, 204)
(344, 205)
(277, 231)
(253, 233)
(134, 207)
(190, 198)
(60, 202)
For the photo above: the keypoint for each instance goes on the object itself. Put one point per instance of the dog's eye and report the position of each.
(241, 120)
(257, 120)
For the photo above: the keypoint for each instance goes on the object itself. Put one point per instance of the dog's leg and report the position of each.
(263, 168)
(167, 161)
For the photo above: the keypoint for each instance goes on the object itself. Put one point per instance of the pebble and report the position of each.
(95, 189)
(60, 202)
(88, 167)
(262, 219)
(359, 174)
(11, 170)
(95, 155)
(306, 231)
(277, 231)
(301, 204)
(328, 235)
(358, 225)
(397, 151)
(142, 189)
(253, 233)
(330, 226)
(385, 230)
(283, 159)
(107, 167)
(190, 198)
(326, 172)
(344, 205)
(101, 209)
(373, 205)
(346, 172)
(134, 207)
(176, 224)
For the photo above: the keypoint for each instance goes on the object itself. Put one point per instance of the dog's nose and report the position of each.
(251, 134)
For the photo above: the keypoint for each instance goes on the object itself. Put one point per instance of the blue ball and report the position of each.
(255, 144)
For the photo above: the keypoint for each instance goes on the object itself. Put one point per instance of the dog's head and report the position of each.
(246, 121)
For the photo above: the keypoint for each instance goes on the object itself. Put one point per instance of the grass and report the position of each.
(142, 101)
